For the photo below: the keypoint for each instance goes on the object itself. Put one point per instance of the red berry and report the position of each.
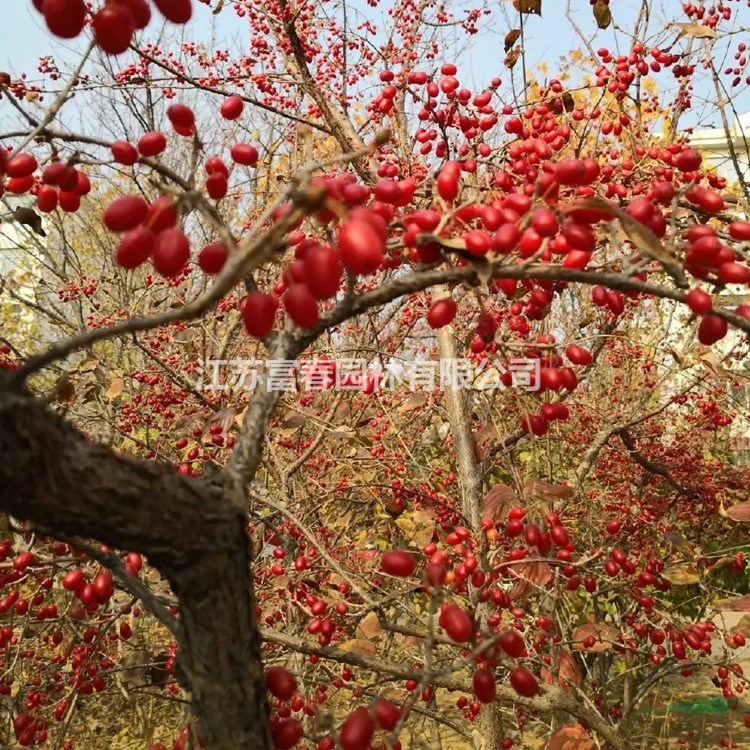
(212, 257)
(161, 215)
(124, 153)
(135, 248)
(578, 355)
(215, 165)
(258, 313)
(281, 683)
(73, 580)
(357, 730)
(387, 714)
(523, 682)
(69, 202)
(152, 144)
(301, 305)
(171, 252)
(113, 27)
(456, 623)
(739, 230)
(544, 222)
(734, 273)
(21, 165)
(217, 185)
(483, 684)
(511, 642)
(441, 313)
(688, 160)
(46, 199)
(176, 11)
(322, 271)
(712, 328)
(125, 213)
(181, 116)
(286, 734)
(398, 563)
(244, 153)
(231, 107)
(139, 9)
(65, 18)
(698, 301)
(361, 246)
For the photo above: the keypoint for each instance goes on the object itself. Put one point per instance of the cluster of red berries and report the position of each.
(114, 24)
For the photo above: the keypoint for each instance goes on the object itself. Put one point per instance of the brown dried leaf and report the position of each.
(369, 626)
(529, 575)
(602, 14)
(360, 646)
(415, 401)
(511, 38)
(224, 417)
(88, 365)
(65, 390)
(603, 633)
(696, 30)
(512, 58)
(570, 737)
(497, 502)
(682, 575)
(739, 513)
(569, 673)
(483, 438)
(735, 604)
(536, 489)
(532, 7)
(115, 388)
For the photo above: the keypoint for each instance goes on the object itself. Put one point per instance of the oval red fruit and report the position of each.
(441, 313)
(281, 683)
(152, 144)
(456, 623)
(171, 252)
(125, 213)
(231, 107)
(212, 257)
(65, 18)
(244, 153)
(21, 165)
(124, 153)
(357, 730)
(135, 248)
(286, 734)
(361, 246)
(523, 682)
(113, 27)
(301, 306)
(387, 714)
(483, 684)
(176, 11)
(398, 562)
(258, 313)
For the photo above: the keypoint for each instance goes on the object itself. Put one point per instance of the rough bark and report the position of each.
(51, 475)
(489, 730)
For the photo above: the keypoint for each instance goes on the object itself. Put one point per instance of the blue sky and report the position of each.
(23, 39)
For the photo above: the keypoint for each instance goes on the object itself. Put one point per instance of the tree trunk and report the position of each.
(489, 730)
(51, 475)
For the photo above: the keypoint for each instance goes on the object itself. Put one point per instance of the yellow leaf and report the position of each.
(359, 646)
(115, 388)
(369, 626)
(682, 575)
